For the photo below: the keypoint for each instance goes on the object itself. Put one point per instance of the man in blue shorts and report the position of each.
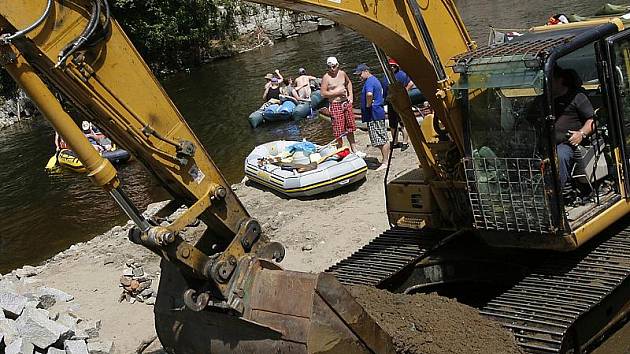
(373, 113)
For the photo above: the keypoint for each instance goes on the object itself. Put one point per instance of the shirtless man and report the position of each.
(337, 88)
(303, 84)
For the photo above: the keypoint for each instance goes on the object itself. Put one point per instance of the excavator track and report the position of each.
(562, 302)
(385, 256)
(566, 299)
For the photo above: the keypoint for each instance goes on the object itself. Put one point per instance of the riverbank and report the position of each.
(316, 232)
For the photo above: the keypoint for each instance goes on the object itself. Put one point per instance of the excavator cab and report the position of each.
(513, 165)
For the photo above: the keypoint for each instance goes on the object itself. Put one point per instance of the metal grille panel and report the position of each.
(508, 194)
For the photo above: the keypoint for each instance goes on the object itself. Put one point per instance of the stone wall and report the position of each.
(276, 23)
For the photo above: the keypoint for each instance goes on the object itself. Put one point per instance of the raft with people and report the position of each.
(298, 169)
(285, 109)
(65, 157)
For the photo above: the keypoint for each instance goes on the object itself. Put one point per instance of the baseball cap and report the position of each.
(361, 68)
(275, 80)
(302, 71)
(332, 61)
(85, 125)
(269, 76)
(392, 61)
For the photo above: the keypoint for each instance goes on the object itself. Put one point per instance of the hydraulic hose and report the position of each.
(87, 33)
(105, 27)
(28, 29)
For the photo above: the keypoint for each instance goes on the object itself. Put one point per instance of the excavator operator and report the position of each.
(574, 119)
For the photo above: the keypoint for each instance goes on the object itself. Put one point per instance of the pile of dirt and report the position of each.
(431, 324)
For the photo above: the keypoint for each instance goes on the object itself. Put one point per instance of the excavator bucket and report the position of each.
(284, 312)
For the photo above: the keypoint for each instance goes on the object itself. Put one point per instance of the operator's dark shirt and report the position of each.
(572, 110)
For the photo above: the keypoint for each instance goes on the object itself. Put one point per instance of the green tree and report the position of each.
(174, 34)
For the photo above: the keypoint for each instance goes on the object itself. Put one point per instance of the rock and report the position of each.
(35, 327)
(100, 347)
(19, 346)
(8, 328)
(7, 285)
(59, 295)
(150, 301)
(46, 301)
(13, 304)
(307, 247)
(75, 347)
(117, 229)
(324, 22)
(90, 328)
(138, 272)
(53, 350)
(146, 292)
(134, 285)
(125, 280)
(68, 320)
(128, 272)
(27, 271)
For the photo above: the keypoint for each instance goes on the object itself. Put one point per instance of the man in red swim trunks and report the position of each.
(337, 88)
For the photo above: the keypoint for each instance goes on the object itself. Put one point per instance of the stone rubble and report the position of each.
(28, 327)
(136, 284)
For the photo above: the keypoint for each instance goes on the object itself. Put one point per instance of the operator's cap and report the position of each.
(361, 68)
(392, 61)
(85, 125)
(269, 76)
(332, 61)
(302, 71)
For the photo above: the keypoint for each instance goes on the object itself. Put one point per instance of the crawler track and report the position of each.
(562, 302)
(384, 257)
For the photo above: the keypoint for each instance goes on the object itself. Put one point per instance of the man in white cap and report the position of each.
(337, 88)
(303, 84)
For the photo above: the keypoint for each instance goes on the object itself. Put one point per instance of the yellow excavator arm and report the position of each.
(72, 53)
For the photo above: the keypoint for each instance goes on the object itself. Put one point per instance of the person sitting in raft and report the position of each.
(60, 143)
(272, 92)
(86, 128)
(287, 91)
(303, 84)
(102, 140)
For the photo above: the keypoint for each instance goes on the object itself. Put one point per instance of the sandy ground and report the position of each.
(332, 226)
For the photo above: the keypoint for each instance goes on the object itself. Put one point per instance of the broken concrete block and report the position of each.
(12, 303)
(27, 271)
(8, 328)
(90, 328)
(68, 320)
(75, 347)
(35, 327)
(19, 346)
(53, 350)
(59, 295)
(47, 301)
(100, 347)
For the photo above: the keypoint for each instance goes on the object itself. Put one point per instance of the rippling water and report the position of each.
(41, 214)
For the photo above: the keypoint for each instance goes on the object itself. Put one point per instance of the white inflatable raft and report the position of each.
(329, 174)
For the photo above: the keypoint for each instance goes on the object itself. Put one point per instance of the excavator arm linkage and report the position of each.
(221, 292)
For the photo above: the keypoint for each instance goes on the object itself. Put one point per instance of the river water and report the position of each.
(41, 214)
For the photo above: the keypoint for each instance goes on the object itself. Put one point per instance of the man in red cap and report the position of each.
(394, 119)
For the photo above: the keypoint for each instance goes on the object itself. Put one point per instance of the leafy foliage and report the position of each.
(174, 34)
